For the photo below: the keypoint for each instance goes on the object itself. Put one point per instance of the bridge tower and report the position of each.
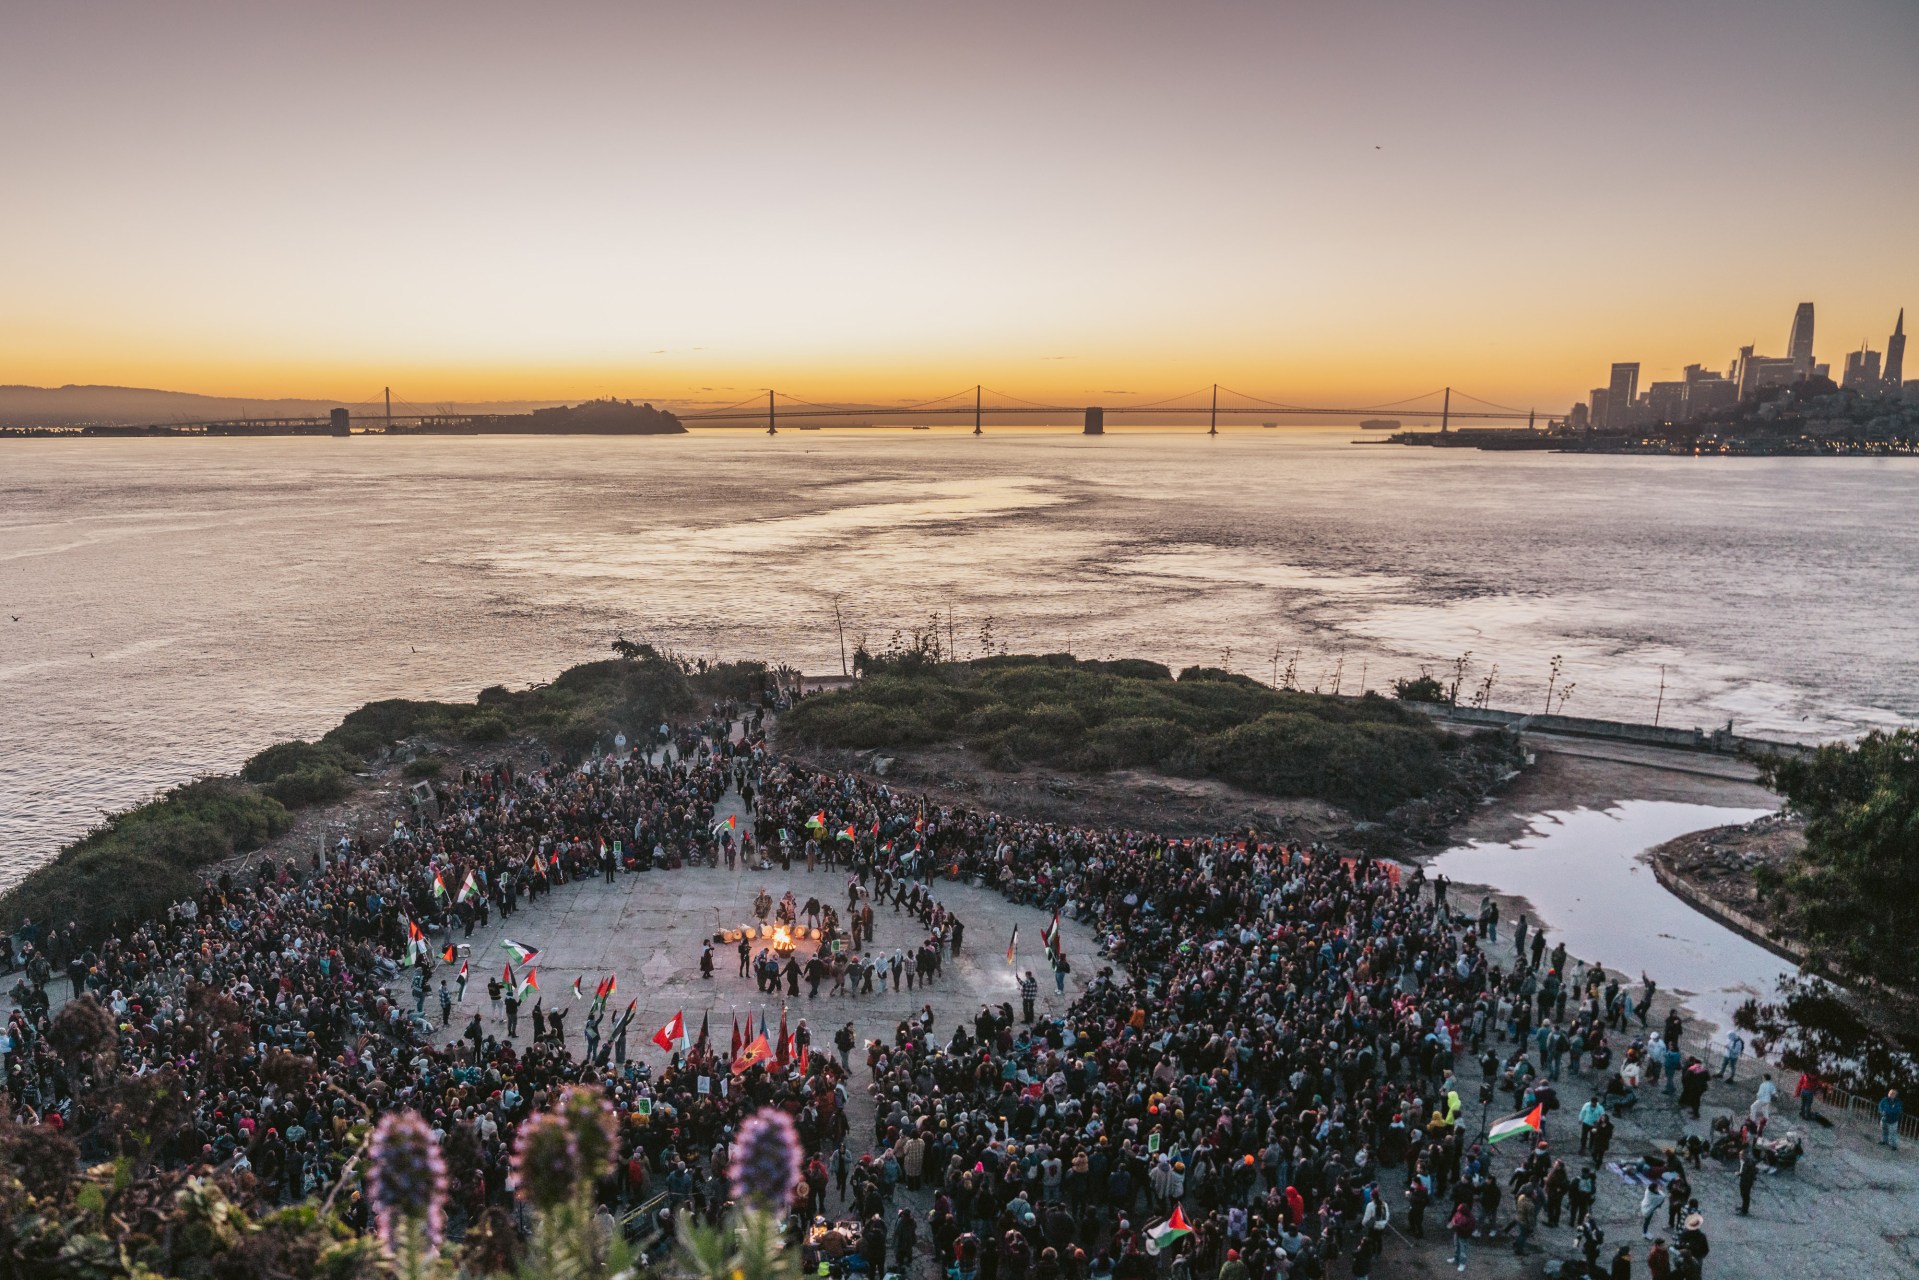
(1095, 420)
(976, 390)
(389, 409)
(1213, 429)
(1446, 413)
(771, 429)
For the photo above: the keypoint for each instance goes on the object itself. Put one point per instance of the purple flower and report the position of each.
(547, 1160)
(767, 1168)
(596, 1130)
(406, 1178)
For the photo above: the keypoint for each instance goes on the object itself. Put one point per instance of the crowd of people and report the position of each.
(1279, 1042)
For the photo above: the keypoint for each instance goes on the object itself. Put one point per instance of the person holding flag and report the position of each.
(619, 1032)
(1056, 955)
(1530, 1123)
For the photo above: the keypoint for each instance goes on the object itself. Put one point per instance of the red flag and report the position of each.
(447, 955)
(671, 1033)
(507, 977)
(734, 1051)
(805, 1054)
(756, 1052)
(700, 1044)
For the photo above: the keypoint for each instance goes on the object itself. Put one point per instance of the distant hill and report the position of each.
(82, 405)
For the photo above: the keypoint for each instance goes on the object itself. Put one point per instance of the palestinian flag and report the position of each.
(756, 1052)
(1162, 1237)
(439, 886)
(1012, 945)
(520, 954)
(847, 833)
(611, 985)
(468, 889)
(506, 979)
(817, 822)
(1054, 953)
(785, 838)
(730, 822)
(463, 971)
(1518, 1125)
(447, 955)
(530, 984)
(578, 992)
(672, 1033)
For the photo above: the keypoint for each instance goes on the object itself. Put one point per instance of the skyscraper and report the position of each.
(1799, 345)
(1621, 393)
(1896, 353)
(1862, 370)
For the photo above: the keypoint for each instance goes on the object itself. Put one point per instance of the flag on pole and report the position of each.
(1166, 1233)
(786, 1041)
(530, 984)
(734, 1050)
(439, 885)
(1528, 1123)
(463, 971)
(817, 822)
(806, 1053)
(520, 954)
(699, 1045)
(730, 822)
(847, 833)
(578, 993)
(1054, 953)
(756, 1052)
(469, 889)
(762, 1024)
(506, 979)
(672, 1033)
(1012, 945)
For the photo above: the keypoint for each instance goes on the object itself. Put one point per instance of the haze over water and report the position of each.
(184, 603)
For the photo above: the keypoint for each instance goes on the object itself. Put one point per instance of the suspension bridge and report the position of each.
(768, 410)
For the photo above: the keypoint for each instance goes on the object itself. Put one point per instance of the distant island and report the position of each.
(76, 411)
(607, 417)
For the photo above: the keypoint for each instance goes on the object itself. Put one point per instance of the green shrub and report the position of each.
(488, 726)
(1368, 754)
(141, 861)
(315, 785)
(293, 757)
(425, 766)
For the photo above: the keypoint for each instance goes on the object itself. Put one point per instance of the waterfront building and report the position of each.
(1799, 344)
(1896, 353)
(1601, 405)
(1667, 401)
(1621, 392)
(1862, 370)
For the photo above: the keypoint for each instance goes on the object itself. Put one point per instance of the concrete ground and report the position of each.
(1848, 1209)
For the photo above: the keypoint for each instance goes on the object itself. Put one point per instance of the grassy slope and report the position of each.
(1369, 755)
(137, 863)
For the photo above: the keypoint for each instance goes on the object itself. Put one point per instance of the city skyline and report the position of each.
(1078, 203)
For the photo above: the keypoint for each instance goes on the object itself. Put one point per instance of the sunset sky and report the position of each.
(1323, 202)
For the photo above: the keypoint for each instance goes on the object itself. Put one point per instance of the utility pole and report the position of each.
(1213, 430)
(772, 430)
(1446, 413)
(976, 390)
(1661, 704)
(389, 410)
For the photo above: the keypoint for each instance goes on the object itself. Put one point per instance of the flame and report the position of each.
(782, 940)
